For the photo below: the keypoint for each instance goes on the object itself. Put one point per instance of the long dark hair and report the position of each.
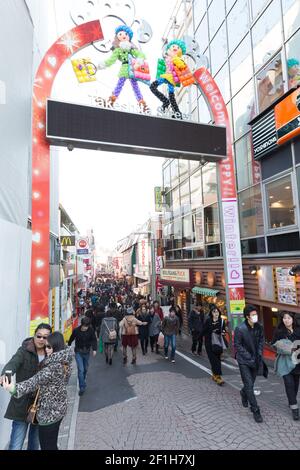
(214, 307)
(281, 326)
(56, 341)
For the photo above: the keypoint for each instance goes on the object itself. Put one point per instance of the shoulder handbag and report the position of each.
(217, 342)
(32, 410)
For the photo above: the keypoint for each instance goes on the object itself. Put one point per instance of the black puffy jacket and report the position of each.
(249, 344)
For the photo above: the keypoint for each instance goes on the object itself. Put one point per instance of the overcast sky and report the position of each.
(111, 193)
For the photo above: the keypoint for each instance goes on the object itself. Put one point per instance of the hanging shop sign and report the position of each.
(82, 246)
(287, 117)
(67, 240)
(286, 286)
(264, 137)
(175, 275)
(158, 199)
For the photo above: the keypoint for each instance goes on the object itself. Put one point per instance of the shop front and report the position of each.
(209, 288)
(270, 286)
(180, 281)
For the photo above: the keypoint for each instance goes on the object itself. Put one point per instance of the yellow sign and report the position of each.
(53, 309)
(237, 306)
(67, 240)
(35, 323)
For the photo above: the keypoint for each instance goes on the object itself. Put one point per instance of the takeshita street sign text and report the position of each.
(75, 125)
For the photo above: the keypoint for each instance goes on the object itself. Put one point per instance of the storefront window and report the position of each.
(201, 35)
(211, 224)
(209, 182)
(237, 23)
(293, 60)
(257, 7)
(204, 112)
(216, 15)
(167, 178)
(196, 190)
(251, 212)
(187, 230)
(222, 80)
(175, 202)
(199, 8)
(183, 169)
(266, 34)
(198, 229)
(291, 16)
(246, 166)
(269, 83)
(178, 229)
(280, 203)
(174, 173)
(243, 108)
(241, 65)
(218, 50)
(185, 202)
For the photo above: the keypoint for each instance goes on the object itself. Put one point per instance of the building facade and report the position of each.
(253, 50)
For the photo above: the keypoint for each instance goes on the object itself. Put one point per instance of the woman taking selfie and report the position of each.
(50, 384)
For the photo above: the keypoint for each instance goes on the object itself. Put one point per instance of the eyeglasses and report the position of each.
(47, 346)
(41, 337)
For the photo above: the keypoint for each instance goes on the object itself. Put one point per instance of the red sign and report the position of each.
(82, 243)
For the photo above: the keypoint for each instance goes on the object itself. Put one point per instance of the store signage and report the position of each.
(232, 242)
(287, 117)
(82, 246)
(159, 264)
(264, 137)
(158, 199)
(68, 240)
(176, 275)
(286, 286)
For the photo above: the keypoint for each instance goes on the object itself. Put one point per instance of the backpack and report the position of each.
(112, 334)
(129, 327)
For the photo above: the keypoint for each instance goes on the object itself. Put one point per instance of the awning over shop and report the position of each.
(205, 291)
(144, 284)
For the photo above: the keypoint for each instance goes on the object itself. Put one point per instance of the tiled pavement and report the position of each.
(156, 405)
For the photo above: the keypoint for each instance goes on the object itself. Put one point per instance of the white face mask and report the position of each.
(254, 319)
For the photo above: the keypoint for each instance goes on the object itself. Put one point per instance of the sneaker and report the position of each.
(257, 416)
(133, 361)
(295, 414)
(166, 357)
(244, 399)
(219, 380)
(124, 360)
(173, 360)
(194, 353)
(81, 392)
(199, 353)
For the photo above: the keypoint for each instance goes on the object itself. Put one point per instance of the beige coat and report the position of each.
(131, 320)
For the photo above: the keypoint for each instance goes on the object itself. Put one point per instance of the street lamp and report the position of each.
(153, 263)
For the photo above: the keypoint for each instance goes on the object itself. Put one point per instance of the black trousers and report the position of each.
(48, 436)
(248, 375)
(291, 383)
(197, 339)
(144, 344)
(153, 342)
(214, 359)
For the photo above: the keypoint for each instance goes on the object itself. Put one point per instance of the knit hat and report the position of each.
(179, 43)
(129, 311)
(126, 29)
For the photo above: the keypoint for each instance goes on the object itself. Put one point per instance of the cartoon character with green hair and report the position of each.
(174, 72)
(293, 72)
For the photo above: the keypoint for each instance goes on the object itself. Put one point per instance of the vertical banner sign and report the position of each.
(229, 209)
(67, 45)
(158, 199)
(53, 309)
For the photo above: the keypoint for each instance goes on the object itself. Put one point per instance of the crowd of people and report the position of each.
(112, 313)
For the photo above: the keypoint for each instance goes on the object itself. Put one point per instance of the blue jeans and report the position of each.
(18, 435)
(170, 339)
(82, 361)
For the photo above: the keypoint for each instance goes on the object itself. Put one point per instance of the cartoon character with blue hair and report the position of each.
(293, 72)
(174, 72)
(134, 67)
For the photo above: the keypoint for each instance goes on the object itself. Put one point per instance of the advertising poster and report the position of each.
(266, 283)
(286, 287)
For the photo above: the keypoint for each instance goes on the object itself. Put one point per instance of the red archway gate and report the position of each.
(77, 38)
